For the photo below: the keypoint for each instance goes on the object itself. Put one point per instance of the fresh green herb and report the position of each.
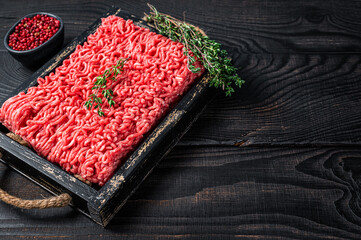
(220, 69)
(101, 84)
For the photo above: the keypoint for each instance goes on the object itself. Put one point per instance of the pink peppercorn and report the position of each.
(32, 32)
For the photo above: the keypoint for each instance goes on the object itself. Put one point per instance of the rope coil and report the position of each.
(61, 200)
(53, 202)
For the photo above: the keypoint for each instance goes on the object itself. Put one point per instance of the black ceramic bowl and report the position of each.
(39, 55)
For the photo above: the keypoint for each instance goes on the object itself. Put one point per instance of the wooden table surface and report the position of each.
(279, 159)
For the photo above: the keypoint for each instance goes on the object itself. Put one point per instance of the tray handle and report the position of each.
(61, 200)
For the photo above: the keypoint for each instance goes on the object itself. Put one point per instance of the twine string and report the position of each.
(61, 200)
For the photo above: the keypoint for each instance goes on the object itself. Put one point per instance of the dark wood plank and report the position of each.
(218, 193)
(261, 97)
(288, 99)
(12, 74)
(302, 66)
(251, 27)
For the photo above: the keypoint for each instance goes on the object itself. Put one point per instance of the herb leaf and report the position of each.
(101, 83)
(220, 69)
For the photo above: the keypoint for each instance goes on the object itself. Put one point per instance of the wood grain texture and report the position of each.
(218, 193)
(296, 172)
(278, 85)
(251, 27)
(288, 99)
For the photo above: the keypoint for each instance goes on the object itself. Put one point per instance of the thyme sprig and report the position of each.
(220, 69)
(100, 84)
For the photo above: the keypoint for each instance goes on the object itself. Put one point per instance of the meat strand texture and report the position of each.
(52, 117)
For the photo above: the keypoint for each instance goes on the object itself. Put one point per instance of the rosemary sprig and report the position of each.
(101, 84)
(220, 69)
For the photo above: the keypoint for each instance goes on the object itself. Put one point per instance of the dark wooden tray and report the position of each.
(103, 203)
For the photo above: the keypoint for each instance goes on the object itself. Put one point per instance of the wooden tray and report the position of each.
(103, 203)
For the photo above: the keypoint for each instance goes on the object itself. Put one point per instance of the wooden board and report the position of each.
(103, 203)
(207, 188)
(217, 192)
